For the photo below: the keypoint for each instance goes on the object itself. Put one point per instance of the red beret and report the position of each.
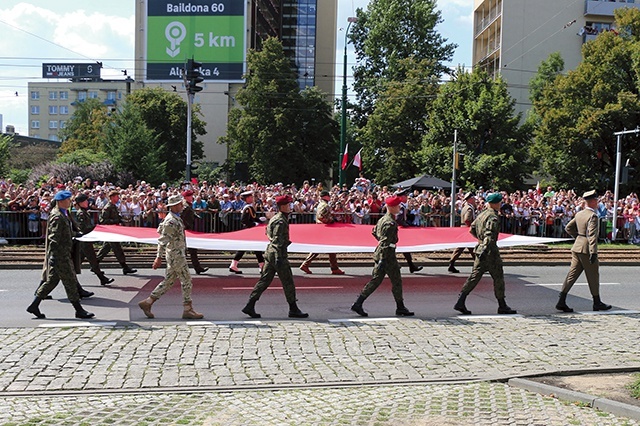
(283, 199)
(394, 200)
(187, 193)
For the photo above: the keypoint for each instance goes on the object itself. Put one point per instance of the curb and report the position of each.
(602, 404)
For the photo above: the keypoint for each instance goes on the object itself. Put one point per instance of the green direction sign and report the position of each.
(212, 33)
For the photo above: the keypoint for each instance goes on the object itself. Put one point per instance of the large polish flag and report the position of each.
(316, 238)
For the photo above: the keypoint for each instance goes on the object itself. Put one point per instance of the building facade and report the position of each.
(512, 37)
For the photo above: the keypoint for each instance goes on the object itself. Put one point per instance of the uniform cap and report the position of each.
(468, 195)
(187, 193)
(402, 191)
(283, 199)
(394, 200)
(114, 193)
(173, 200)
(494, 197)
(325, 193)
(590, 194)
(246, 194)
(62, 195)
(81, 197)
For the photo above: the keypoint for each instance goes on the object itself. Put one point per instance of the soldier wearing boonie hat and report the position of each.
(386, 232)
(248, 219)
(277, 261)
(467, 216)
(486, 228)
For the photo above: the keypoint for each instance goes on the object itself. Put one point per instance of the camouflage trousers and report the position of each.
(389, 267)
(61, 270)
(492, 263)
(269, 270)
(177, 269)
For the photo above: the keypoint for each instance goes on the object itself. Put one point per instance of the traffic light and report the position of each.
(459, 160)
(627, 173)
(193, 172)
(194, 76)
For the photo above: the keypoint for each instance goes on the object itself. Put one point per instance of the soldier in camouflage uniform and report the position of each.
(85, 225)
(111, 216)
(276, 261)
(248, 219)
(58, 259)
(467, 216)
(172, 244)
(323, 215)
(188, 217)
(485, 228)
(386, 232)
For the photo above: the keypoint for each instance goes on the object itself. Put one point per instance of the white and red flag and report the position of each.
(357, 160)
(345, 157)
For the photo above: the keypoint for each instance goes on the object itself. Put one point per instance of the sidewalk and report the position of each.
(356, 372)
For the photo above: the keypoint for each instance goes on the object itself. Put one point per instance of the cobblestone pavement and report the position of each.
(374, 371)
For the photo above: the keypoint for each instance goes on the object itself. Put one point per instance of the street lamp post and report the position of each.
(343, 116)
(616, 191)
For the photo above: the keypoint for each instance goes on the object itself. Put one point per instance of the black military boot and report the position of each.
(250, 309)
(598, 305)
(402, 310)
(34, 308)
(562, 303)
(295, 312)
(460, 305)
(84, 293)
(452, 268)
(357, 306)
(504, 309)
(80, 312)
(126, 269)
(103, 279)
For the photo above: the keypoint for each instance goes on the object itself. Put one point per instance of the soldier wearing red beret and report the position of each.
(276, 261)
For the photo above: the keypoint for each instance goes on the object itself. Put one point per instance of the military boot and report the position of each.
(295, 312)
(126, 269)
(402, 310)
(103, 279)
(80, 312)
(34, 308)
(84, 293)
(357, 306)
(250, 309)
(460, 304)
(452, 268)
(190, 313)
(146, 304)
(562, 303)
(598, 305)
(504, 309)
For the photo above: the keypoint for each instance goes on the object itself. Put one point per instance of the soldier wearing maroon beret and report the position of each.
(386, 232)
(276, 261)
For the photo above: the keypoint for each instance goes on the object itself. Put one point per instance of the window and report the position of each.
(35, 124)
(53, 124)
(111, 96)
(53, 137)
(35, 109)
(53, 109)
(93, 94)
(35, 95)
(53, 96)
(64, 109)
(63, 124)
(64, 95)
(82, 96)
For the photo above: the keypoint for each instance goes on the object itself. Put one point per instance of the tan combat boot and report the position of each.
(189, 313)
(145, 305)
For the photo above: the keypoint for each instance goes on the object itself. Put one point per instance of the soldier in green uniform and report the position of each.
(188, 217)
(172, 244)
(467, 216)
(277, 261)
(85, 224)
(58, 258)
(323, 215)
(485, 228)
(386, 232)
(111, 216)
(248, 219)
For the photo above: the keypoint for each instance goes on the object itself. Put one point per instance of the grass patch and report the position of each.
(634, 387)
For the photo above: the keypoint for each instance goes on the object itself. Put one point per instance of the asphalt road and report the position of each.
(532, 290)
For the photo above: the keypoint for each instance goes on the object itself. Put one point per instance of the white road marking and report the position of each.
(620, 311)
(560, 284)
(328, 287)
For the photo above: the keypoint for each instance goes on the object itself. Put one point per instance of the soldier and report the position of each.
(467, 216)
(111, 216)
(172, 244)
(85, 225)
(276, 261)
(188, 217)
(401, 218)
(248, 220)
(485, 228)
(323, 215)
(584, 253)
(58, 258)
(386, 232)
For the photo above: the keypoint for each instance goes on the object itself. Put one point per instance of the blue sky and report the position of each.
(37, 31)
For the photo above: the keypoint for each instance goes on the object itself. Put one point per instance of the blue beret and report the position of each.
(494, 197)
(62, 195)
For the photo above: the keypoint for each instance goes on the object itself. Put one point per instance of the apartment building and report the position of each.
(512, 37)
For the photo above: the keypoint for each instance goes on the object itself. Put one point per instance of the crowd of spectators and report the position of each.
(24, 208)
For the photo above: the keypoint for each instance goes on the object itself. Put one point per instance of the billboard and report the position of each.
(71, 70)
(211, 32)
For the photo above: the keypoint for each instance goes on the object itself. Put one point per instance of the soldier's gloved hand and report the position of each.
(593, 258)
(52, 261)
(263, 219)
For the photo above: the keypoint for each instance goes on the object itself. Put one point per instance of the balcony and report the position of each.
(606, 8)
(486, 20)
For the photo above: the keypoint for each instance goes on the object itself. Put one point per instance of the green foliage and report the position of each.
(282, 134)
(82, 157)
(6, 142)
(579, 112)
(494, 146)
(85, 129)
(634, 387)
(19, 175)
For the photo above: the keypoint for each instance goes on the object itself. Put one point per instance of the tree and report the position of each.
(580, 111)
(282, 134)
(494, 147)
(85, 129)
(6, 143)
(165, 114)
(388, 32)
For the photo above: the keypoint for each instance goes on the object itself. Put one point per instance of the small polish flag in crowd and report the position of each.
(357, 160)
(538, 189)
(345, 157)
